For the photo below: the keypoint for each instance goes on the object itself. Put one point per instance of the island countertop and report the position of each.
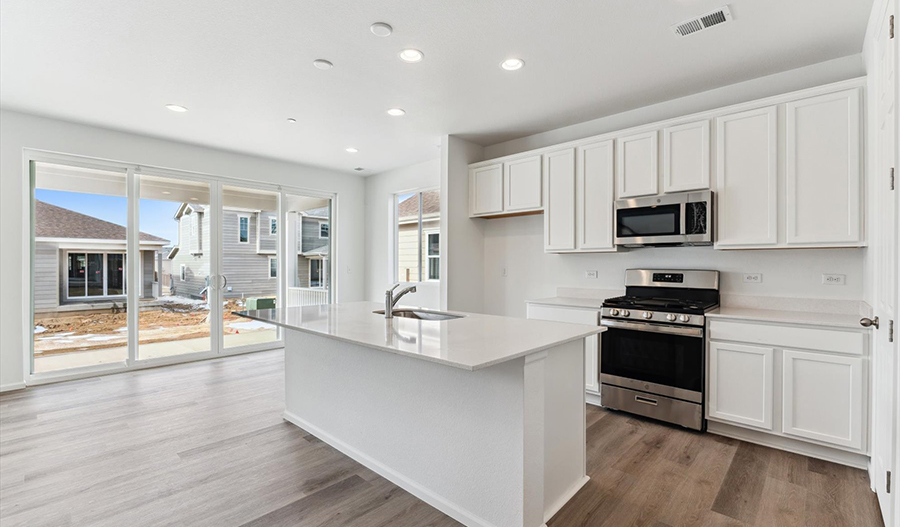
(472, 342)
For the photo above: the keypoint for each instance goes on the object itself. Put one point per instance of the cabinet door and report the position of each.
(741, 384)
(522, 182)
(823, 169)
(637, 165)
(594, 194)
(486, 190)
(747, 178)
(588, 317)
(686, 157)
(559, 189)
(823, 397)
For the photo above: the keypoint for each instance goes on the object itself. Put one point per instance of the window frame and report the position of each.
(322, 271)
(327, 228)
(273, 227)
(428, 256)
(394, 273)
(181, 273)
(239, 218)
(273, 259)
(105, 257)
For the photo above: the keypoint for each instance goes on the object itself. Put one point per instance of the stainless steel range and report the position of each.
(652, 354)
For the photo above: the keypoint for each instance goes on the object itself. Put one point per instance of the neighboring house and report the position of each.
(249, 242)
(408, 237)
(80, 258)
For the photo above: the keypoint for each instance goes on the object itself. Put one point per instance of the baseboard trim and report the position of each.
(11, 387)
(592, 398)
(840, 457)
(438, 502)
(551, 512)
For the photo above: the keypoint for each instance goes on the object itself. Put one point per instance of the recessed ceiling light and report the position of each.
(194, 199)
(352, 150)
(291, 120)
(512, 64)
(381, 29)
(176, 108)
(411, 55)
(166, 192)
(359, 169)
(323, 64)
(396, 112)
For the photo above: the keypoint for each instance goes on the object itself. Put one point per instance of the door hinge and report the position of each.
(892, 26)
(892, 178)
(887, 482)
(890, 331)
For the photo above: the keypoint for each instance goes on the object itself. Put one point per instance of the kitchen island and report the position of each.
(480, 416)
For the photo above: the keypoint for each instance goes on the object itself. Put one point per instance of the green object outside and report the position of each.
(260, 303)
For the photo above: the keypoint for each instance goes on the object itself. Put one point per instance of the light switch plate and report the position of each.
(591, 274)
(834, 279)
(753, 278)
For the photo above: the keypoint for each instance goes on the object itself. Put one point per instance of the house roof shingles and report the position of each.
(431, 205)
(51, 221)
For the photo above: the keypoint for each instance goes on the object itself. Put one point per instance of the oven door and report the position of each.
(654, 358)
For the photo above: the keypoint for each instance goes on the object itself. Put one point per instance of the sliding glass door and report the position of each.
(134, 266)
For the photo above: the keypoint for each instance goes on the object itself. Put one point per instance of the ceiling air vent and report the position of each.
(705, 21)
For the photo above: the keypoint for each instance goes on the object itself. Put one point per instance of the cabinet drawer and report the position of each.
(820, 339)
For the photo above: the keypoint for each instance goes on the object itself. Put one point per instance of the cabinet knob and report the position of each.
(867, 322)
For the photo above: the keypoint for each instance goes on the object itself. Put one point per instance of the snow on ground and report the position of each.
(39, 329)
(248, 326)
(201, 304)
(101, 338)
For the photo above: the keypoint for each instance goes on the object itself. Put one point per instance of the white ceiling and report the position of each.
(243, 68)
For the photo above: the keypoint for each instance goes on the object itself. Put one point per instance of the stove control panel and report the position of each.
(650, 317)
(675, 278)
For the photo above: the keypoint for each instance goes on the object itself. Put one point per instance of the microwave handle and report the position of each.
(683, 227)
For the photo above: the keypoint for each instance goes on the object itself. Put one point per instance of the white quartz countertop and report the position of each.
(568, 301)
(472, 342)
(808, 318)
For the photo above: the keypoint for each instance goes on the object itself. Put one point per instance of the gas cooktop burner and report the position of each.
(667, 304)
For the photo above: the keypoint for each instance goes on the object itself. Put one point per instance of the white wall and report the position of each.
(814, 75)
(380, 194)
(517, 244)
(462, 239)
(18, 131)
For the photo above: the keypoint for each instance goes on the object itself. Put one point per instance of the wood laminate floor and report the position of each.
(204, 444)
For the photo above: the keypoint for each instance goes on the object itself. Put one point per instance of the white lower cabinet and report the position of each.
(741, 381)
(767, 383)
(822, 397)
(575, 315)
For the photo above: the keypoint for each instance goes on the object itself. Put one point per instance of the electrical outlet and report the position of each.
(591, 274)
(753, 278)
(834, 279)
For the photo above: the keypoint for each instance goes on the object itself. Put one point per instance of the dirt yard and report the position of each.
(171, 321)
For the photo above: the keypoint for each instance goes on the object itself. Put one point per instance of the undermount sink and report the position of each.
(420, 314)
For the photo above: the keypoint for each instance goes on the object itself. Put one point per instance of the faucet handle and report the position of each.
(393, 287)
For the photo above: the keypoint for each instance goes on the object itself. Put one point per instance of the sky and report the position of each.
(156, 217)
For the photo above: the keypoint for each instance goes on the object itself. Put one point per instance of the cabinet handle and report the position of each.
(645, 400)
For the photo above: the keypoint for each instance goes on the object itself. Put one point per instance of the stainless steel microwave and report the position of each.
(680, 219)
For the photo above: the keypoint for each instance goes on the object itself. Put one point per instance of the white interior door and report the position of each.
(885, 416)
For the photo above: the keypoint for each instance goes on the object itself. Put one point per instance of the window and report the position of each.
(95, 274)
(317, 272)
(417, 247)
(273, 267)
(433, 248)
(182, 272)
(323, 230)
(273, 226)
(243, 229)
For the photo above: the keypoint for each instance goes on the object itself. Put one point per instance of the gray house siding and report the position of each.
(310, 235)
(46, 275)
(267, 241)
(196, 265)
(247, 270)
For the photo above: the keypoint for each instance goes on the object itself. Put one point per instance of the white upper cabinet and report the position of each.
(686, 157)
(559, 190)
(594, 195)
(637, 165)
(747, 178)
(823, 398)
(486, 190)
(823, 169)
(522, 181)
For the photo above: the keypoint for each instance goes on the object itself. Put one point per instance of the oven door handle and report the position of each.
(653, 328)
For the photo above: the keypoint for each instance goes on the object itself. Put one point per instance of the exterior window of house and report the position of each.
(243, 229)
(317, 273)
(323, 230)
(273, 226)
(95, 274)
(417, 219)
(433, 248)
(182, 272)
(273, 267)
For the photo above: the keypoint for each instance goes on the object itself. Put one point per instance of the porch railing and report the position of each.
(306, 296)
